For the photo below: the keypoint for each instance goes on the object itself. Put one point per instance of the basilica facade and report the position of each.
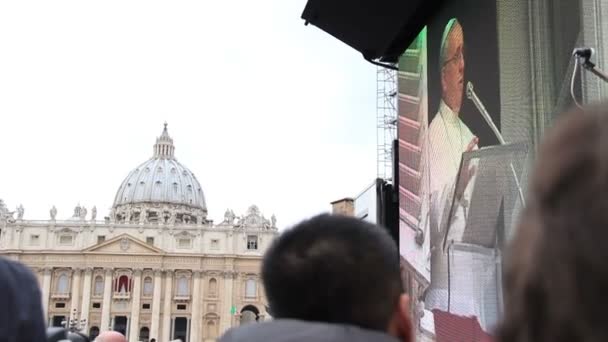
(155, 268)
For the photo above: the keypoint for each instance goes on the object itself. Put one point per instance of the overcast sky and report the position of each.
(261, 108)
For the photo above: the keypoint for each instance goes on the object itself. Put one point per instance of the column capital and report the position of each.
(158, 273)
(169, 273)
(137, 272)
(47, 270)
(197, 273)
(230, 274)
(88, 270)
(108, 271)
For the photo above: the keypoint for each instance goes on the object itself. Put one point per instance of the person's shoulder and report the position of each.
(435, 127)
(465, 129)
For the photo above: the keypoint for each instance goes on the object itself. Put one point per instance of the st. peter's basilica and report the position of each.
(155, 267)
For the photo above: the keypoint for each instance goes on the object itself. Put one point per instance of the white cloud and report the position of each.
(262, 109)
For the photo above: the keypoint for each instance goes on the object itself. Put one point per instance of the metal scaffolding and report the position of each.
(386, 120)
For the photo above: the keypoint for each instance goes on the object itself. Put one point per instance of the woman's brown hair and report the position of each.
(556, 283)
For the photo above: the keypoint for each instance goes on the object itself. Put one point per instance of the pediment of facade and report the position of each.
(124, 244)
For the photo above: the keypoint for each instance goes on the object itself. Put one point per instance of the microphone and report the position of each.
(584, 52)
(583, 56)
(484, 113)
(482, 109)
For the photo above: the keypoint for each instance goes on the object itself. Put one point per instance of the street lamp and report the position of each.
(74, 324)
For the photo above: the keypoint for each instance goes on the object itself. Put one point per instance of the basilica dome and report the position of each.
(161, 187)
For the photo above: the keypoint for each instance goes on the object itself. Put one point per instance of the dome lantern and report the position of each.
(164, 145)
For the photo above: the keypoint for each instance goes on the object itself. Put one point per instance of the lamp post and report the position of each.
(74, 324)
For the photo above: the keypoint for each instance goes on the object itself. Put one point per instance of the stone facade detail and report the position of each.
(154, 267)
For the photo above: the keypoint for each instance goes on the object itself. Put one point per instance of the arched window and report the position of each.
(212, 287)
(93, 333)
(122, 285)
(211, 329)
(98, 289)
(62, 284)
(250, 288)
(148, 286)
(144, 334)
(182, 286)
(249, 314)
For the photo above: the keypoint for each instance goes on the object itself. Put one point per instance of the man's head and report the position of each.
(111, 336)
(337, 269)
(451, 64)
(556, 273)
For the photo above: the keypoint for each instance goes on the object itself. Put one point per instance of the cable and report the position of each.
(572, 84)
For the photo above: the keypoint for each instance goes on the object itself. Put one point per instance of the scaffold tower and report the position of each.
(386, 122)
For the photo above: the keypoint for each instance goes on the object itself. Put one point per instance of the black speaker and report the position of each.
(379, 29)
(387, 208)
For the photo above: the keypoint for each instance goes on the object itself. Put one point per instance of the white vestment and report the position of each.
(447, 138)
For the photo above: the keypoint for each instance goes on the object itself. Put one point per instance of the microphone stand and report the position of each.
(587, 64)
(484, 113)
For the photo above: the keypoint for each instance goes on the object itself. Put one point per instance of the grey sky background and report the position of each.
(261, 108)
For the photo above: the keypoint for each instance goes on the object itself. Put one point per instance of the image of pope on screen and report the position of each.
(447, 138)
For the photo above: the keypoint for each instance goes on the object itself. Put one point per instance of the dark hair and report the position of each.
(333, 269)
(557, 270)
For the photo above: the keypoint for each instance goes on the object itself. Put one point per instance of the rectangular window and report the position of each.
(181, 306)
(252, 242)
(183, 243)
(97, 305)
(150, 240)
(34, 240)
(215, 244)
(250, 288)
(59, 305)
(101, 238)
(146, 306)
(65, 240)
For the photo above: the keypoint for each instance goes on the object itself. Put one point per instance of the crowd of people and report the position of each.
(337, 278)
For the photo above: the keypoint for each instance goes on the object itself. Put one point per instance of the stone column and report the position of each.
(107, 301)
(195, 327)
(167, 307)
(46, 291)
(154, 328)
(86, 296)
(135, 306)
(226, 316)
(17, 241)
(75, 295)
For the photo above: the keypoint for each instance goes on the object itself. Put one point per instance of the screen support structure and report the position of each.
(386, 121)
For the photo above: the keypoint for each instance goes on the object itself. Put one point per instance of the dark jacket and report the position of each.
(286, 330)
(21, 316)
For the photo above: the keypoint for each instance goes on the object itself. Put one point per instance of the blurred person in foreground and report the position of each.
(332, 278)
(21, 316)
(111, 336)
(557, 269)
